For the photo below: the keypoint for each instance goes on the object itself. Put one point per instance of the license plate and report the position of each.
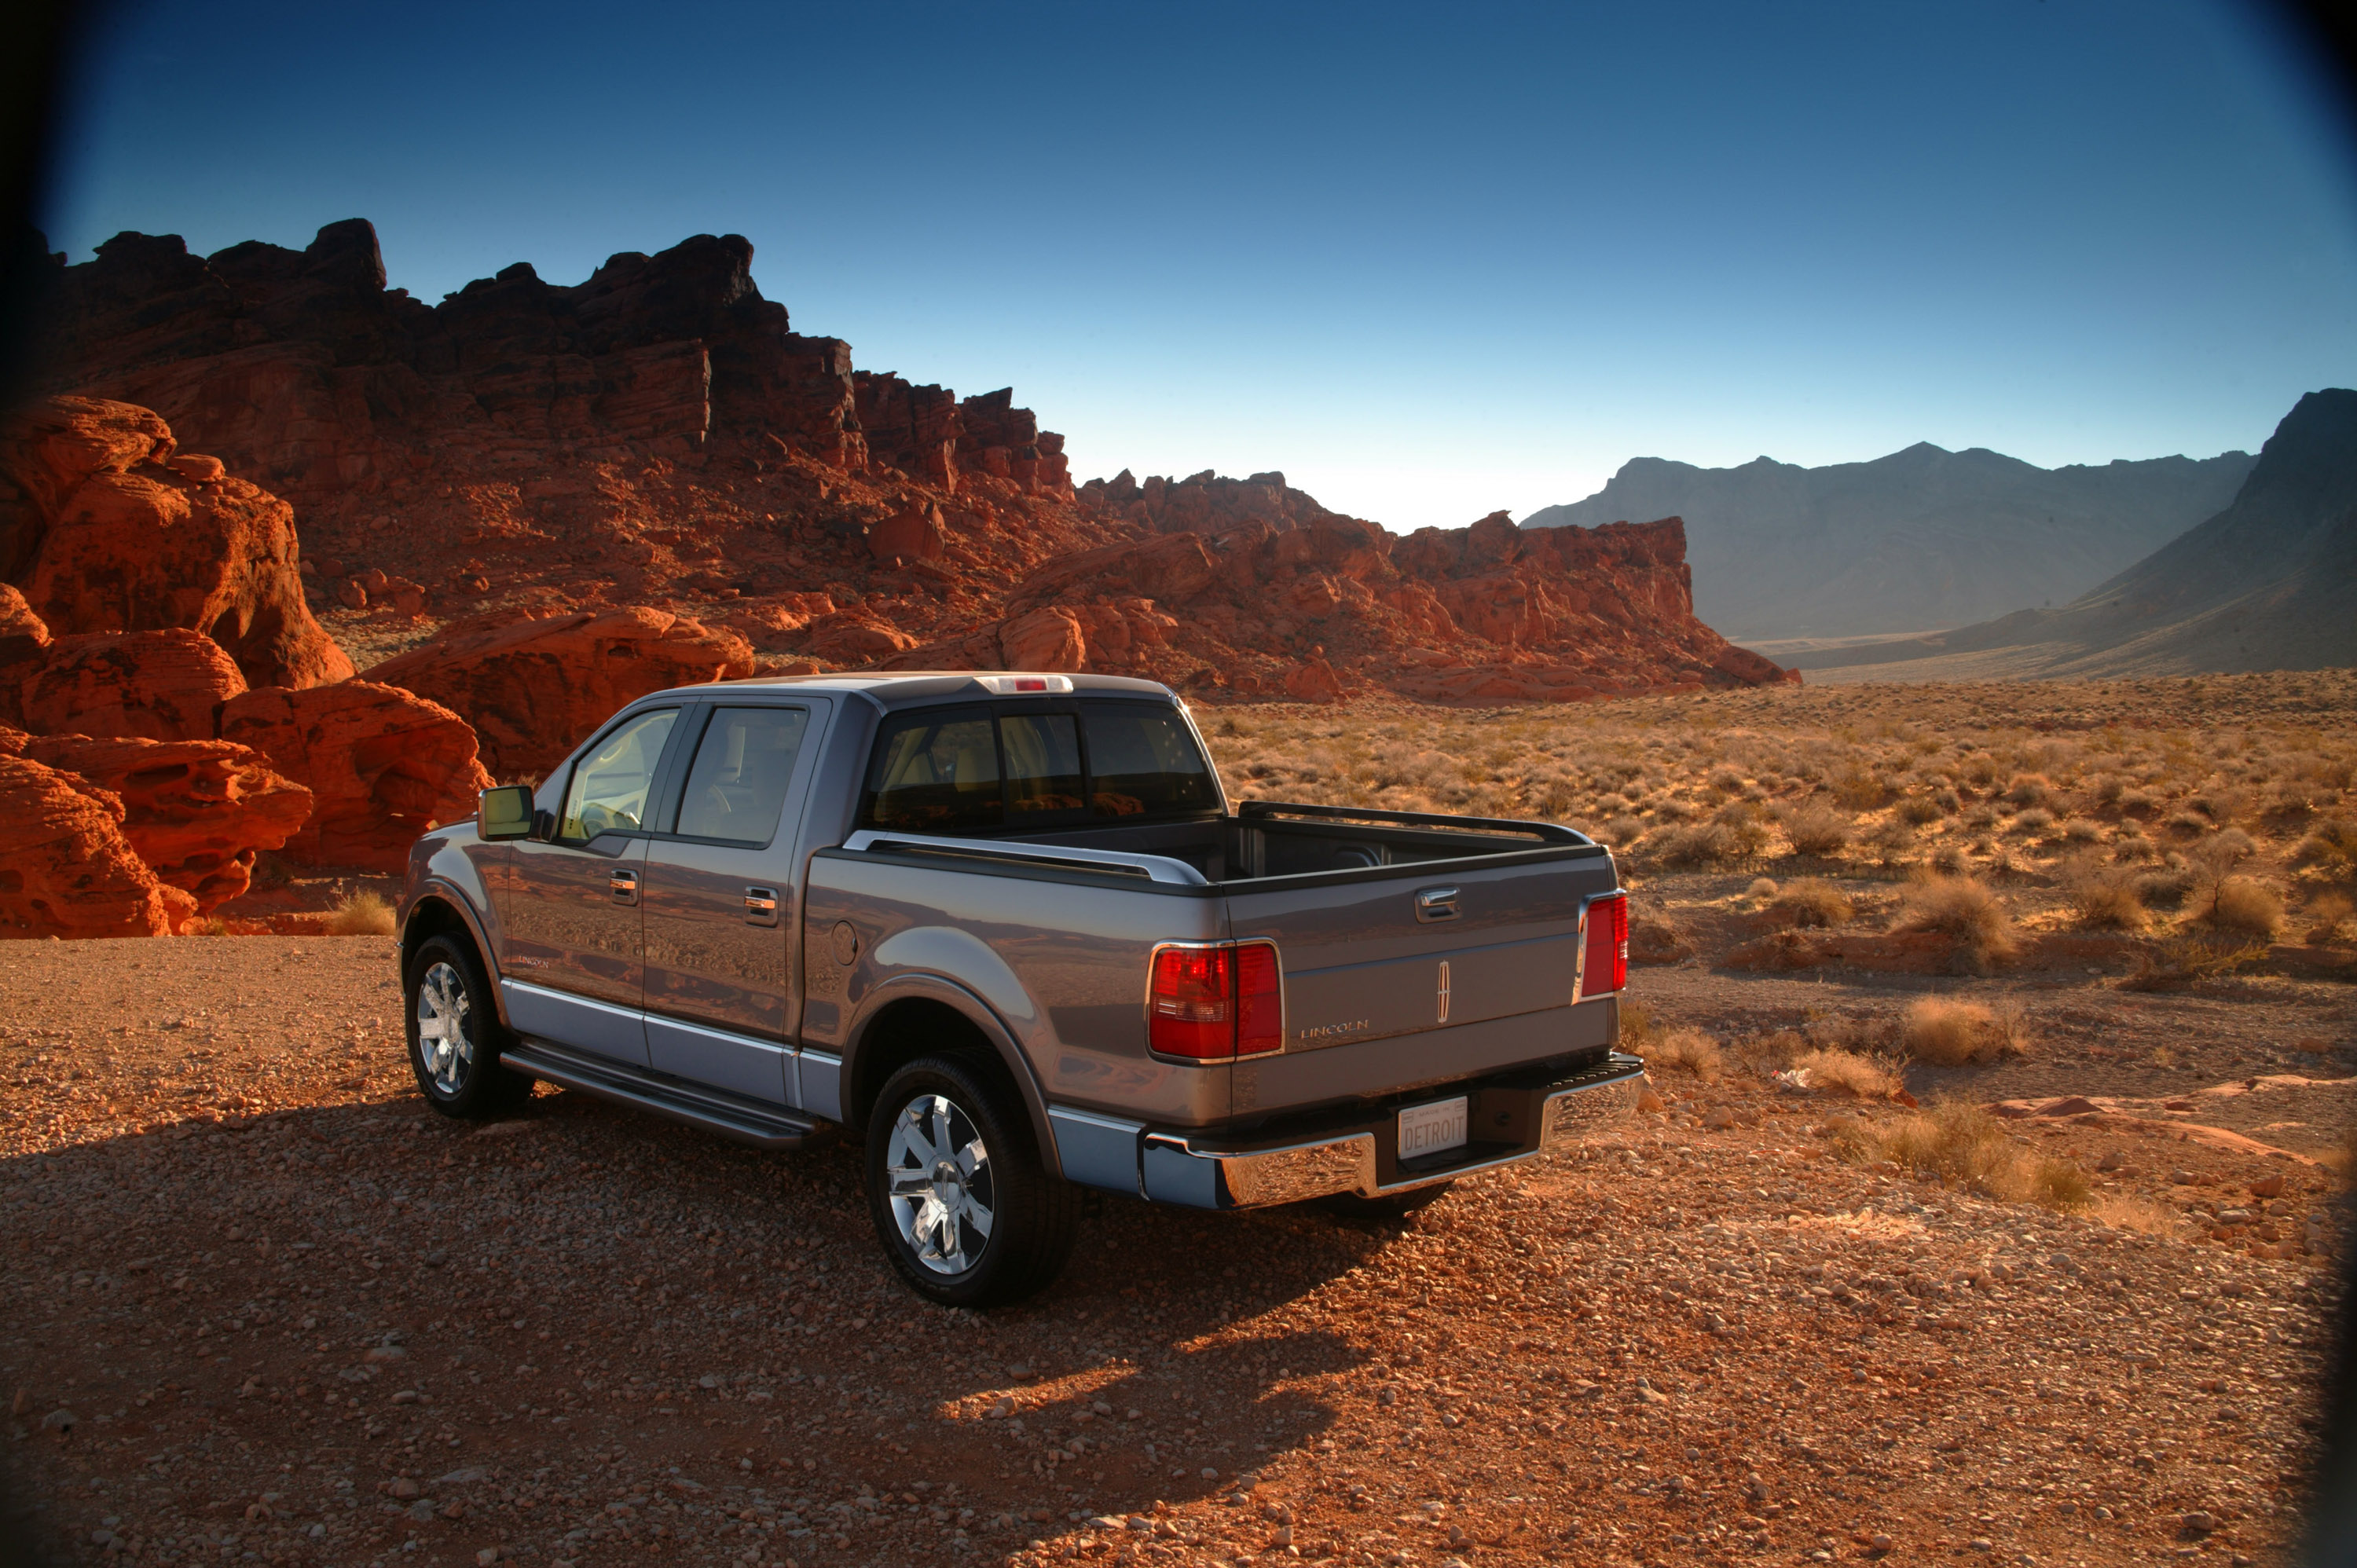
(1429, 1129)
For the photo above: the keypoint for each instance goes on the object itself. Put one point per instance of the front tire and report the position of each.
(455, 1034)
(962, 1202)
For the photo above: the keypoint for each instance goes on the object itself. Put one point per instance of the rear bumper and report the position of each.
(1511, 1118)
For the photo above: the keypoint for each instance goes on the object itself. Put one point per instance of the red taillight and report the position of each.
(1260, 1006)
(1215, 1002)
(1604, 967)
(1191, 1011)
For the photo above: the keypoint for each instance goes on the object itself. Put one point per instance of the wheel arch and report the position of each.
(923, 1015)
(436, 914)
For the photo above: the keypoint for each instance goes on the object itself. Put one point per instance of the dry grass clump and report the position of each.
(1960, 1144)
(1945, 1032)
(1695, 843)
(1963, 909)
(2104, 898)
(1833, 1070)
(2186, 961)
(1762, 888)
(1812, 901)
(363, 914)
(2330, 848)
(2033, 822)
(2326, 917)
(1816, 829)
(2126, 1211)
(1686, 1051)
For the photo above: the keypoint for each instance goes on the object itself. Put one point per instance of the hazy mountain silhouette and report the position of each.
(1920, 538)
(2270, 583)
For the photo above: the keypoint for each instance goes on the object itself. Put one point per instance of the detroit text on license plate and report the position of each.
(1428, 1129)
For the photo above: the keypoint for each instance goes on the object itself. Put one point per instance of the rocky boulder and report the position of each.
(196, 811)
(109, 530)
(534, 688)
(382, 766)
(157, 685)
(66, 868)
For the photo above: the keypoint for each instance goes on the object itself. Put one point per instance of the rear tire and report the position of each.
(455, 1034)
(962, 1202)
(1395, 1208)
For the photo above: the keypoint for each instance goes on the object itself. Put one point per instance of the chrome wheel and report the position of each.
(940, 1190)
(444, 1044)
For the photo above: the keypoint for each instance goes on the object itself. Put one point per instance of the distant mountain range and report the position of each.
(2269, 583)
(1919, 540)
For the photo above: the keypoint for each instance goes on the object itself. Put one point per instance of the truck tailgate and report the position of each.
(1381, 978)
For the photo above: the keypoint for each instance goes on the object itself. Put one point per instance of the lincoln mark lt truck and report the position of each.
(1008, 929)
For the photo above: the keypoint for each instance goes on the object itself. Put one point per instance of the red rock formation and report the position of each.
(157, 685)
(534, 688)
(66, 868)
(24, 640)
(196, 810)
(382, 766)
(657, 436)
(109, 531)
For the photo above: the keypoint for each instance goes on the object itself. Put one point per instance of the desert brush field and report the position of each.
(1985, 1207)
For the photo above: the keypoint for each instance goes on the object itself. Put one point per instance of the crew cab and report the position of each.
(1008, 930)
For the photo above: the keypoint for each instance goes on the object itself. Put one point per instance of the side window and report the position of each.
(609, 792)
(1144, 761)
(1043, 762)
(935, 772)
(736, 784)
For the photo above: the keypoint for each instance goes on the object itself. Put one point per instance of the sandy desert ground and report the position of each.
(258, 1304)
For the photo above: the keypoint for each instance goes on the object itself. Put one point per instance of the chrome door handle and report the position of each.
(760, 906)
(1436, 904)
(625, 885)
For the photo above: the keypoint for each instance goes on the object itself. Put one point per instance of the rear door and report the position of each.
(722, 885)
(570, 937)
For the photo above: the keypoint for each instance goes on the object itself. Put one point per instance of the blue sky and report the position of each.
(1429, 260)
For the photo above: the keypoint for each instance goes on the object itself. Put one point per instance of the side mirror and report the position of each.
(504, 813)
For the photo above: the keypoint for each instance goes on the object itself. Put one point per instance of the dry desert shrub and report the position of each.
(2104, 898)
(1689, 1051)
(2246, 906)
(2330, 850)
(1960, 1144)
(1811, 901)
(2189, 959)
(1816, 829)
(1918, 810)
(1692, 844)
(1833, 1070)
(2027, 790)
(1945, 1032)
(1963, 909)
(1762, 888)
(2033, 822)
(2326, 917)
(2126, 1211)
(1860, 789)
(363, 914)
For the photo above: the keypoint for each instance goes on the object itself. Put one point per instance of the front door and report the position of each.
(719, 906)
(571, 952)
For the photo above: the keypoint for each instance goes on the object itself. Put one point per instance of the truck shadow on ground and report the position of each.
(585, 1295)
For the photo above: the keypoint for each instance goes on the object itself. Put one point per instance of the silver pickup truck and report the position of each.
(1008, 926)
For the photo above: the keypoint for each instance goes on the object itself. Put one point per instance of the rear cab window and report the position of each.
(981, 770)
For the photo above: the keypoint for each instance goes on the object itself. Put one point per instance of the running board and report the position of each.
(668, 1098)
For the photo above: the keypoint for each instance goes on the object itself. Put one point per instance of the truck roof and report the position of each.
(918, 688)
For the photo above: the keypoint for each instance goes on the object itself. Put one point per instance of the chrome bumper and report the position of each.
(1198, 1172)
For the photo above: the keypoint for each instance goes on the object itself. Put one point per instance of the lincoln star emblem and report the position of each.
(1444, 991)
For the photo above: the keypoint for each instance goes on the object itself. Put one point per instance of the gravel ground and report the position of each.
(257, 1305)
